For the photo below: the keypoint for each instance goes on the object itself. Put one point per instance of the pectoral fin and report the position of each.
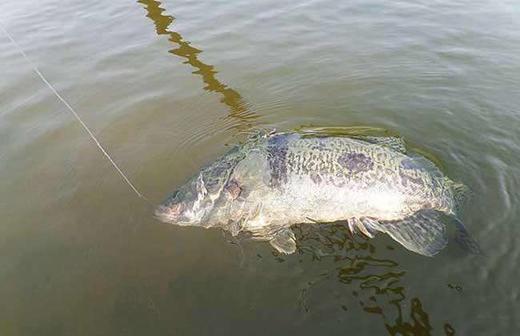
(284, 241)
(362, 225)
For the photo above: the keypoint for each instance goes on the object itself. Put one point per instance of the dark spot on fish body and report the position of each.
(233, 189)
(277, 149)
(217, 173)
(355, 162)
(319, 146)
(428, 205)
(311, 166)
(305, 169)
(316, 157)
(338, 181)
(388, 171)
(316, 178)
(323, 169)
(212, 185)
(379, 156)
(407, 180)
(292, 161)
(409, 163)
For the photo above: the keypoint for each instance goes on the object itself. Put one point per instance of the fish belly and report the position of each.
(305, 201)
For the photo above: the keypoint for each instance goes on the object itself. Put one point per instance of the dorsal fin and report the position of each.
(375, 135)
(395, 143)
(464, 239)
(346, 131)
(425, 232)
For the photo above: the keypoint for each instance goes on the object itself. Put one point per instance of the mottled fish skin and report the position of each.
(289, 179)
(275, 181)
(277, 148)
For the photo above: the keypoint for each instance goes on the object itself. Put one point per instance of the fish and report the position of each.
(275, 180)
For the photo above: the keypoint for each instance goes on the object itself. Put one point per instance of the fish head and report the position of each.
(192, 202)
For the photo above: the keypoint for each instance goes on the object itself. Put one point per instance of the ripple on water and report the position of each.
(166, 84)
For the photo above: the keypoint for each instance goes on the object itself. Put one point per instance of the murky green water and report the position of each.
(166, 85)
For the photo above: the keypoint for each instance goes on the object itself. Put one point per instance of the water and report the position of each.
(167, 86)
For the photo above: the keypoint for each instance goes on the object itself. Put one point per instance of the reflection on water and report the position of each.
(183, 49)
(376, 282)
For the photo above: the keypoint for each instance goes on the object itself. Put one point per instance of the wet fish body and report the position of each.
(274, 181)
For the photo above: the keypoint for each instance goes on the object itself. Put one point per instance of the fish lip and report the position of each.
(163, 213)
(160, 214)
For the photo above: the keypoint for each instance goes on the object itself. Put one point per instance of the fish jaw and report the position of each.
(168, 214)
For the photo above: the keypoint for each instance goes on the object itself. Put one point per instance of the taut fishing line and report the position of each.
(75, 114)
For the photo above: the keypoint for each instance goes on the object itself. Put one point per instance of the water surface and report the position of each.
(167, 86)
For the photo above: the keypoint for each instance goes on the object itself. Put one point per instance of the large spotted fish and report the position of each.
(276, 180)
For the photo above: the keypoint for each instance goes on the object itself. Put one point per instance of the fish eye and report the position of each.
(173, 195)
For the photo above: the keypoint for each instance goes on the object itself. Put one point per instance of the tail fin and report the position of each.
(425, 232)
(463, 238)
(461, 193)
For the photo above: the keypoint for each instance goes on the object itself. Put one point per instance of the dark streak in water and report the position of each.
(376, 283)
(183, 49)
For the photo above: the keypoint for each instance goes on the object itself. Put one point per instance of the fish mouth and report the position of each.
(160, 213)
(168, 214)
(173, 214)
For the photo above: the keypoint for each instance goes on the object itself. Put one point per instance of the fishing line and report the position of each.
(74, 113)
